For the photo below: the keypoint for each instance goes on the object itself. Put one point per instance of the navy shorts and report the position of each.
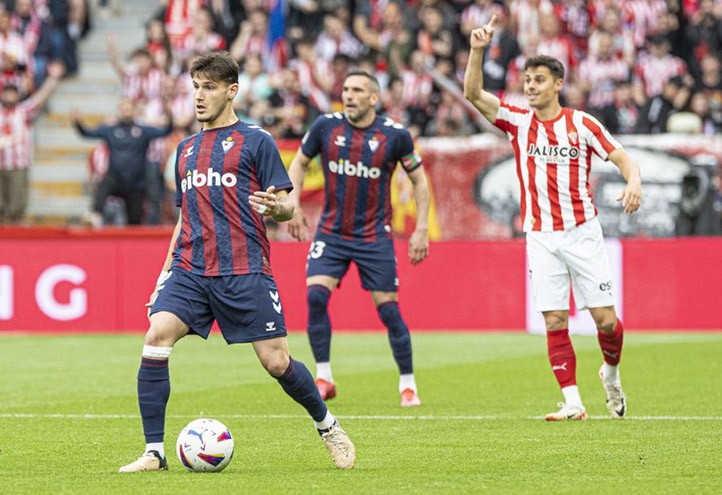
(246, 307)
(376, 261)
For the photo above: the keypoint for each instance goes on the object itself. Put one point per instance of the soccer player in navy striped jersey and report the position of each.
(359, 153)
(228, 177)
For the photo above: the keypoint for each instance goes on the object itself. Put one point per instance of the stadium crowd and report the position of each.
(640, 66)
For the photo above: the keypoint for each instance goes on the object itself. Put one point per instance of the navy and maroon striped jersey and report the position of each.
(357, 167)
(216, 172)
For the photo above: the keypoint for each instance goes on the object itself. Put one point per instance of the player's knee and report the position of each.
(276, 364)
(391, 317)
(605, 319)
(317, 297)
(555, 320)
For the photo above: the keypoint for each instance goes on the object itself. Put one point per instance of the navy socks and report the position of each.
(298, 383)
(399, 336)
(153, 394)
(319, 325)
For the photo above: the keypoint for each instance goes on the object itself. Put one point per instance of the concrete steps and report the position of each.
(59, 193)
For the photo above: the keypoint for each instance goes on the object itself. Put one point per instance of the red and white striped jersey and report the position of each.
(654, 72)
(553, 162)
(601, 75)
(641, 17)
(16, 147)
(143, 87)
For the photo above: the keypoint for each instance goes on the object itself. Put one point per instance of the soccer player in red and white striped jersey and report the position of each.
(553, 147)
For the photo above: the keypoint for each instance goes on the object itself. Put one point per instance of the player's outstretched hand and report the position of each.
(481, 36)
(264, 202)
(298, 225)
(418, 246)
(631, 196)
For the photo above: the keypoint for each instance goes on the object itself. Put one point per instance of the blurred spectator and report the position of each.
(128, 144)
(397, 40)
(202, 38)
(141, 80)
(621, 38)
(69, 21)
(178, 17)
(290, 106)
(450, 118)
(641, 18)
(655, 66)
(526, 16)
(621, 115)
(158, 45)
(654, 114)
(253, 86)
(705, 28)
(554, 43)
(252, 36)
(499, 54)
(574, 19)
(340, 66)
(16, 146)
(368, 22)
(314, 75)
(418, 84)
(598, 73)
(433, 39)
(478, 13)
(711, 84)
(14, 57)
(699, 106)
(337, 39)
(36, 36)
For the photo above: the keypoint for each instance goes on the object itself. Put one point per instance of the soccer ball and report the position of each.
(205, 445)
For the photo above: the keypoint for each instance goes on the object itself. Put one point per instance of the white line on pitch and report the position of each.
(358, 417)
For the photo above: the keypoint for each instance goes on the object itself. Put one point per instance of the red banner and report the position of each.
(99, 282)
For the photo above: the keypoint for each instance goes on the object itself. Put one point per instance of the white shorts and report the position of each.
(576, 256)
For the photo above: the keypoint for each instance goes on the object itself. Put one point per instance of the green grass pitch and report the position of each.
(68, 418)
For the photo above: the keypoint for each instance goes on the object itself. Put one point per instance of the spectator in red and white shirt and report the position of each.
(251, 37)
(141, 80)
(16, 144)
(179, 15)
(337, 39)
(555, 44)
(640, 16)
(622, 38)
(656, 66)
(314, 74)
(525, 17)
(418, 84)
(14, 57)
(598, 73)
(202, 39)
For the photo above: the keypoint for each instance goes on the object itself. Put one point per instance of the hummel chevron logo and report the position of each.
(340, 141)
(562, 367)
(270, 326)
(189, 151)
(276, 301)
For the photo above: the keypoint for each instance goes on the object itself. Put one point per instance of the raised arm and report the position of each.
(55, 73)
(298, 225)
(485, 102)
(118, 66)
(631, 195)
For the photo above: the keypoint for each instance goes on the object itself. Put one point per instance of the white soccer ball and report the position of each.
(205, 445)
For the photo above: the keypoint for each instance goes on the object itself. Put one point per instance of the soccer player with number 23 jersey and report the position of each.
(359, 153)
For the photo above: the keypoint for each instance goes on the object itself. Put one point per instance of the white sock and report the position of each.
(323, 371)
(610, 373)
(407, 381)
(572, 397)
(327, 422)
(158, 447)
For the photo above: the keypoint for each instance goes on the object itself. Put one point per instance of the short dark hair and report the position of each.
(217, 66)
(554, 65)
(375, 86)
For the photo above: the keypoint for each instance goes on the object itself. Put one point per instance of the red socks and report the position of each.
(562, 357)
(611, 344)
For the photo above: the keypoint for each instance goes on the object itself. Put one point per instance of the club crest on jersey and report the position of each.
(573, 138)
(373, 144)
(227, 144)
